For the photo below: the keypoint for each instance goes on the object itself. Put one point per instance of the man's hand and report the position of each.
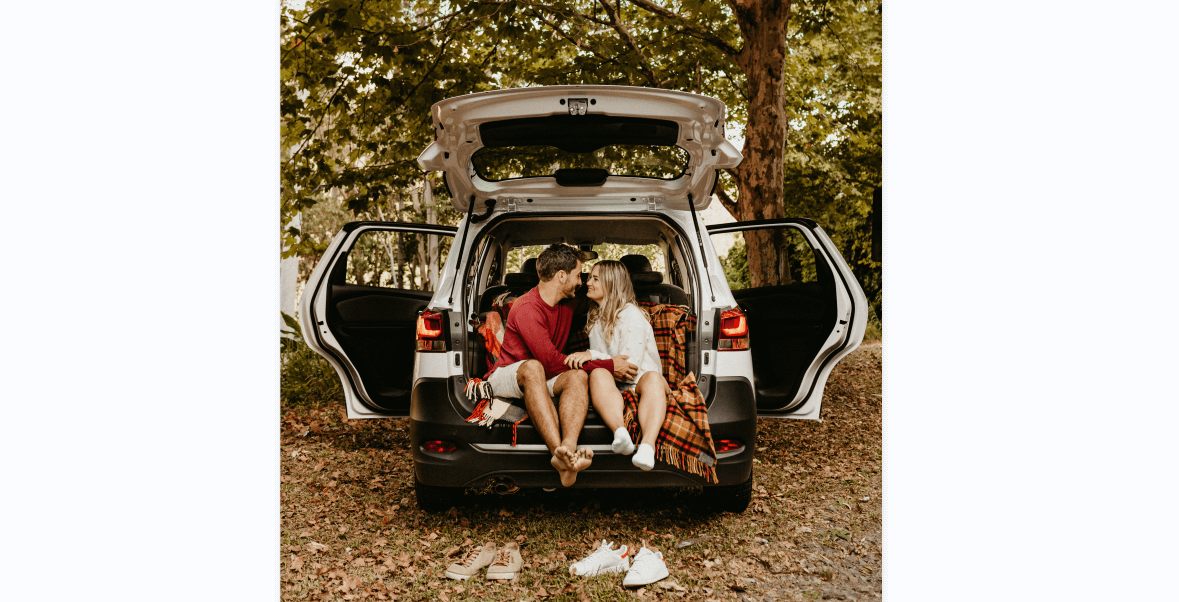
(577, 360)
(624, 370)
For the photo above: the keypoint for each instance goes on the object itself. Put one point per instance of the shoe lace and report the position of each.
(644, 557)
(502, 557)
(471, 557)
(602, 550)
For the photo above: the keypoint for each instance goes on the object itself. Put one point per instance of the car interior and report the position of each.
(658, 276)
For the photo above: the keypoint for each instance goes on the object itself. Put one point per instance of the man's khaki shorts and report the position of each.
(503, 381)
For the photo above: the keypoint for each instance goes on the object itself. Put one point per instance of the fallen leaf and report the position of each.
(672, 585)
(296, 562)
(453, 551)
(687, 542)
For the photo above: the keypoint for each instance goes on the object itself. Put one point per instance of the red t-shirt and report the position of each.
(538, 331)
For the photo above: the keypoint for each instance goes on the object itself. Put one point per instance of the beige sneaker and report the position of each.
(473, 562)
(507, 562)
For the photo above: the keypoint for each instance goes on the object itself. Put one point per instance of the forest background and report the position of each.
(802, 82)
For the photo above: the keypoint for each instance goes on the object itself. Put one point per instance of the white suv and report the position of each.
(620, 170)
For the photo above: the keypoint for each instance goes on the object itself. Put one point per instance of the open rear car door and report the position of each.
(801, 325)
(361, 305)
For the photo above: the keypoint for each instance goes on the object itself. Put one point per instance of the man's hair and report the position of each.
(556, 258)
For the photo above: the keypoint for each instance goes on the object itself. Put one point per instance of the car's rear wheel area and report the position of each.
(436, 499)
(729, 498)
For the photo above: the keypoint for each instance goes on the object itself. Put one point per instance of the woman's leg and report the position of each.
(606, 398)
(607, 401)
(652, 391)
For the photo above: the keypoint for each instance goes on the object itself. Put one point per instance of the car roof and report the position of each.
(578, 118)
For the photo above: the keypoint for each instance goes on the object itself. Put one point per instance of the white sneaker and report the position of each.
(647, 568)
(622, 443)
(644, 458)
(604, 560)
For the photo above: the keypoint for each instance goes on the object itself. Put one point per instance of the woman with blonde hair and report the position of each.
(619, 327)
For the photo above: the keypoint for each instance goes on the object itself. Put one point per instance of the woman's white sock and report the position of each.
(645, 457)
(622, 443)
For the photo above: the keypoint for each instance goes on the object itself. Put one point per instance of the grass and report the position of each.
(306, 379)
(351, 529)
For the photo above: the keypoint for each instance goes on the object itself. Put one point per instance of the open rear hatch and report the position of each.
(557, 143)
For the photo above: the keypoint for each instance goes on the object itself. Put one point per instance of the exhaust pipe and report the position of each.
(504, 486)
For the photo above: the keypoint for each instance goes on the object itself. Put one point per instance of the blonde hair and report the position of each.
(617, 291)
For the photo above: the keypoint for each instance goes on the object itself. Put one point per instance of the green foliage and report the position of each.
(306, 378)
(293, 324)
(736, 267)
(834, 145)
(359, 77)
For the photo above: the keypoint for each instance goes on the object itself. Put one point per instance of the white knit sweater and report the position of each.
(633, 337)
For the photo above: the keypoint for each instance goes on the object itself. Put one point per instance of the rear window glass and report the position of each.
(404, 260)
(645, 161)
(730, 247)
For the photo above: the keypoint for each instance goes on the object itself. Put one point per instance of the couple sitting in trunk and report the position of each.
(622, 356)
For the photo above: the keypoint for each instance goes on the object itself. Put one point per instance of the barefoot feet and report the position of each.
(568, 464)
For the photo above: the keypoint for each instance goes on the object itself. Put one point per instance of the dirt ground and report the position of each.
(351, 529)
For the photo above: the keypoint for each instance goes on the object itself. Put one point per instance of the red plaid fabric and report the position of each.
(685, 440)
(672, 325)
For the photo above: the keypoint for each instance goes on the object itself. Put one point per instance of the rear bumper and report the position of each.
(438, 412)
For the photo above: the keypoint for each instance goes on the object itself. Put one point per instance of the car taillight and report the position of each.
(430, 332)
(724, 445)
(734, 331)
(444, 447)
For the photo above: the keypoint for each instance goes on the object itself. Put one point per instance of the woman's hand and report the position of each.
(577, 360)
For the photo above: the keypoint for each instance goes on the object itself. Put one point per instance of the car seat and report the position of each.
(648, 284)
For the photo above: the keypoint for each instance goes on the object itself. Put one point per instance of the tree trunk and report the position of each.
(400, 255)
(288, 279)
(431, 218)
(760, 176)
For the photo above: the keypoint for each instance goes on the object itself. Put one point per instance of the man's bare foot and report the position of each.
(582, 459)
(563, 461)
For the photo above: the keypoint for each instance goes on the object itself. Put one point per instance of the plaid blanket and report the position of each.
(685, 440)
(672, 325)
(490, 409)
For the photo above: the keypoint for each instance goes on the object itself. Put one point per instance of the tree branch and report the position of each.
(616, 23)
(688, 27)
(326, 109)
(571, 40)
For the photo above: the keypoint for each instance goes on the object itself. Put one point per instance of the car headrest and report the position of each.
(519, 280)
(529, 266)
(636, 263)
(643, 278)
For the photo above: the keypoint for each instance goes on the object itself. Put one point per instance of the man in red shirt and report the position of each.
(532, 366)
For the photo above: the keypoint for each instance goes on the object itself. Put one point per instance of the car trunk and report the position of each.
(670, 306)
